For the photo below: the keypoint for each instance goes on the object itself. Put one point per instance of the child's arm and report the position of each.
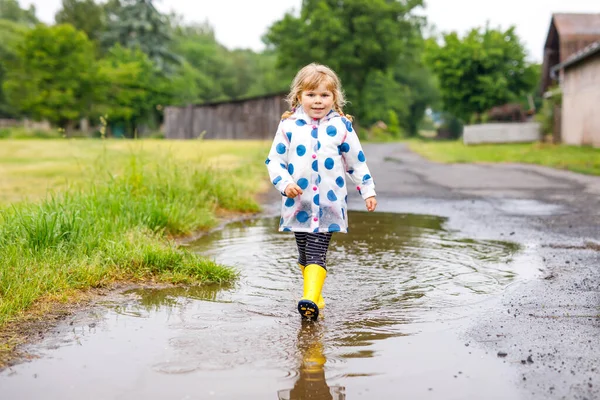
(356, 164)
(277, 161)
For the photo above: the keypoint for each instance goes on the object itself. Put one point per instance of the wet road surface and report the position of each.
(442, 294)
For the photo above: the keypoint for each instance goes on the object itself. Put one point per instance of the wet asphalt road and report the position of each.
(548, 326)
(447, 314)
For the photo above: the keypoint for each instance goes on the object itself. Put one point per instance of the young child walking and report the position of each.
(315, 146)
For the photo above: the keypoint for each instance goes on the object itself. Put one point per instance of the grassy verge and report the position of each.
(585, 160)
(115, 213)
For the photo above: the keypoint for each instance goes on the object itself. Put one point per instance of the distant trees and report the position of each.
(369, 44)
(485, 68)
(52, 75)
(124, 60)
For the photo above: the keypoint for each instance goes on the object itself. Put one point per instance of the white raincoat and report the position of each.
(316, 155)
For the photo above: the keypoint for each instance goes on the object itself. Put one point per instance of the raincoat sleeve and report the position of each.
(356, 163)
(277, 161)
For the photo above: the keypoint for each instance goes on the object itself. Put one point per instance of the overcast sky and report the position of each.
(241, 23)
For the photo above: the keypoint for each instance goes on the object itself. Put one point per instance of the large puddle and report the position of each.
(397, 289)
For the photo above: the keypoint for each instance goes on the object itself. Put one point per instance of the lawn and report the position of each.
(82, 214)
(585, 160)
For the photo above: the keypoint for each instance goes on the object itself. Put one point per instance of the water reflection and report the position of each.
(311, 382)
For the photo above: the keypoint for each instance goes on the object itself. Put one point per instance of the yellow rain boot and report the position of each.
(314, 278)
(321, 301)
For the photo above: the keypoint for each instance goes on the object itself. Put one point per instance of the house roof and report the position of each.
(582, 54)
(570, 24)
(577, 24)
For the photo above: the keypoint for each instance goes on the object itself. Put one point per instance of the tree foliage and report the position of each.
(485, 68)
(85, 15)
(53, 74)
(137, 24)
(11, 10)
(356, 38)
(11, 34)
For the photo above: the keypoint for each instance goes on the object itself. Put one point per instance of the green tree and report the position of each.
(354, 37)
(484, 69)
(11, 34)
(127, 84)
(12, 11)
(53, 74)
(138, 24)
(85, 15)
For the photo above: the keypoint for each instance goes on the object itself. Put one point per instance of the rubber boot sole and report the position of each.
(308, 309)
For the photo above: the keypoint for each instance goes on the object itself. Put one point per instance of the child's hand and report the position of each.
(292, 190)
(371, 203)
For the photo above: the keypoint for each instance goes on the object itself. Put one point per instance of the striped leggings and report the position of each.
(312, 248)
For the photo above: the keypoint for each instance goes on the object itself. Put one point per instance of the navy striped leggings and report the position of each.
(312, 248)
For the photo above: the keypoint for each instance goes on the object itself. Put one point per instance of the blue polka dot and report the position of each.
(290, 202)
(340, 181)
(346, 199)
(277, 180)
(300, 122)
(267, 161)
(280, 221)
(319, 179)
(350, 171)
(315, 166)
(318, 145)
(348, 124)
(303, 183)
(334, 228)
(331, 196)
(331, 130)
(361, 156)
(315, 133)
(287, 230)
(291, 169)
(289, 136)
(316, 230)
(302, 216)
(329, 163)
(343, 214)
(345, 147)
(301, 150)
(281, 148)
(366, 178)
(316, 199)
(320, 213)
(283, 166)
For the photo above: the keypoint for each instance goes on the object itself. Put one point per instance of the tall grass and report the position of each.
(116, 227)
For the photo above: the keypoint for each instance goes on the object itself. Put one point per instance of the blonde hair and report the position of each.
(311, 77)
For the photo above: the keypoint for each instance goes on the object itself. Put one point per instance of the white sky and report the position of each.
(241, 23)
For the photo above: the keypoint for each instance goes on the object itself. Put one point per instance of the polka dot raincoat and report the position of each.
(317, 155)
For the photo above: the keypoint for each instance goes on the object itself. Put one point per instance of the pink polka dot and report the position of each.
(315, 219)
(314, 156)
(315, 188)
(358, 188)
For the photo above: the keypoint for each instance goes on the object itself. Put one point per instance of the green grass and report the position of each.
(116, 213)
(585, 160)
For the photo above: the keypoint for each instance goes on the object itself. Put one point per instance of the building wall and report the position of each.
(581, 100)
(255, 118)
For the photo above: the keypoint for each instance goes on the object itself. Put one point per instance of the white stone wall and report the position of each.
(503, 132)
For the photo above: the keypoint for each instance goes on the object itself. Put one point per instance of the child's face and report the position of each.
(318, 102)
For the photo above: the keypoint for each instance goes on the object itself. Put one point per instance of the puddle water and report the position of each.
(398, 286)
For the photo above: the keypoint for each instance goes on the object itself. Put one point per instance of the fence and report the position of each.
(254, 118)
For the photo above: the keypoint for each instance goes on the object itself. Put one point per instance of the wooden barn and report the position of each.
(252, 118)
(567, 35)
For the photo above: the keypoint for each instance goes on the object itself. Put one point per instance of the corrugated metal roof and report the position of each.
(577, 24)
(580, 55)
